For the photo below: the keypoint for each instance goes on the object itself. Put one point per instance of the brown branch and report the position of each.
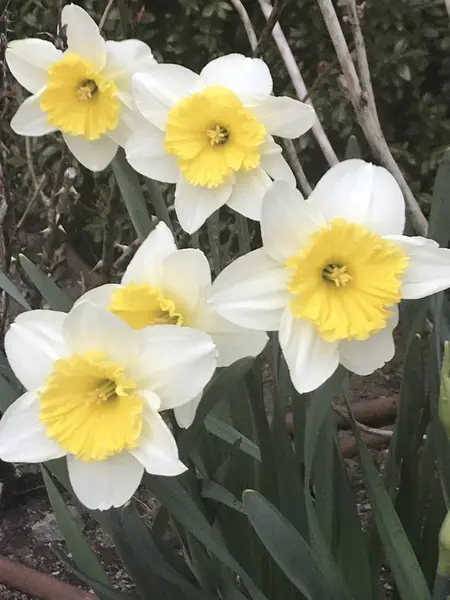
(367, 120)
(296, 166)
(273, 19)
(31, 582)
(31, 170)
(298, 82)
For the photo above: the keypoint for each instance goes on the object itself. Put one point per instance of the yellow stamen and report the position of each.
(90, 407)
(218, 135)
(78, 99)
(346, 281)
(213, 135)
(141, 305)
(337, 275)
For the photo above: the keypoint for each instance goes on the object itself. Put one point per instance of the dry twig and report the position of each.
(242, 12)
(105, 14)
(368, 121)
(296, 167)
(273, 19)
(298, 82)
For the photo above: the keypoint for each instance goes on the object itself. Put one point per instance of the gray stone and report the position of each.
(46, 530)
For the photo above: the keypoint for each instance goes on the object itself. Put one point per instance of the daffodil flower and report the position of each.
(211, 134)
(164, 285)
(95, 389)
(331, 273)
(84, 92)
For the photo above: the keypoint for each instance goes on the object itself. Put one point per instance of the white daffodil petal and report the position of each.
(310, 359)
(363, 193)
(287, 221)
(93, 154)
(176, 363)
(248, 192)
(33, 343)
(232, 341)
(145, 153)
(365, 356)
(146, 266)
(30, 119)
(122, 133)
(99, 296)
(245, 76)
(125, 58)
(187, 276)
(274, 163)
(185, 414)
(162, 86)
(90, 328)
(83, 35)
(194, 204)
(252, 291)
(157, 450)
(104, 484)
(22, 435)
(29, 60)
(428, 270)
(284, 116)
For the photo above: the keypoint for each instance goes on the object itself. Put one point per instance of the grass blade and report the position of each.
(132, 195)
(287, 547)
(52, 294)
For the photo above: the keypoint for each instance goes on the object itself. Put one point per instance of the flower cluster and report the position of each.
(329, 277)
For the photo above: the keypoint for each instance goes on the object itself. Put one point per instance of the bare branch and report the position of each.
(105, 14)
(273, 19)
(361, 56)
(298, 82)
(296, 167)
(241, 10)
(366, 118)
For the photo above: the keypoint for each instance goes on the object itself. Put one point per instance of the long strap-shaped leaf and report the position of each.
(402, 560)
(286, 546)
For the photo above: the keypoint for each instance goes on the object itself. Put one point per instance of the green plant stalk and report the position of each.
(442, 582)
(444, 393)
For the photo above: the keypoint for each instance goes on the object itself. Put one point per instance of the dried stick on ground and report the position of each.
(367, 119)
(33, 583)
(298, 82)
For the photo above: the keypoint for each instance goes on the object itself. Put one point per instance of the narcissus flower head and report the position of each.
(95, 389)
(332, 272)
(211, 134)
(164, 285)
(84, 92)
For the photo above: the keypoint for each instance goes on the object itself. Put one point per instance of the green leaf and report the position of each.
(183, 508)
(8, 286)
(132, 195)
(52, 294)
(82, 553)
(214, 392)
(287, 547)
(147, 565)
(213, 228)
(215, 491)
(229, 434)
(8, 393)
(439, 220)
(402, 560)
(158, 202)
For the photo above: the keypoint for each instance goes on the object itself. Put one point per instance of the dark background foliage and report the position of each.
(408, 43)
